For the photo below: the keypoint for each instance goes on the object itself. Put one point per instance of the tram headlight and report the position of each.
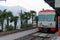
(40, 23)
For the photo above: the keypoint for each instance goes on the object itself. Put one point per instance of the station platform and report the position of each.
(58, 38)
(19, 34)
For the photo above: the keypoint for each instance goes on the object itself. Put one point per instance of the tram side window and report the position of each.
(55, 18)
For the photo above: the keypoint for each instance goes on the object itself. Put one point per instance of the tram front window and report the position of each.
(46, 17)
(49, 17)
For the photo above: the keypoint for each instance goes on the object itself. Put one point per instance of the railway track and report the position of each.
(38, 36)
(43, 36)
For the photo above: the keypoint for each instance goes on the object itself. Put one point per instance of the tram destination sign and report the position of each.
(57, 3)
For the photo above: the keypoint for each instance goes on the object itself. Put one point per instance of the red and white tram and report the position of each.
(46, 21)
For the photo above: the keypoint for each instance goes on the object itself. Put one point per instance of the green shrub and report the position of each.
(29, 25)
(1, 31)
(26, 25)
(9, 28)
(23, 26)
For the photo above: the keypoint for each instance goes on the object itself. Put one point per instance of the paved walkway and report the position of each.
(18, 35)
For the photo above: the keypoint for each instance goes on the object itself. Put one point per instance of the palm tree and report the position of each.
(2, 17)
(4, 14)
(27, 16)
(33, 13)
(15, 19)
(8, 16)
(1, 20)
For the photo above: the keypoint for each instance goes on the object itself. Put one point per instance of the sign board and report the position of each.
(57, 3)
(58, 25)
(58, 21)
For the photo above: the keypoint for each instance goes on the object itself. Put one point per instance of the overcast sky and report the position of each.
(41, 3)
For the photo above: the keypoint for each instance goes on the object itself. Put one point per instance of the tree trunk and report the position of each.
(15, 24)
(7, 21)
(21, 22)
(26, 21)
(32, 18)
(21, 18)
(2, 24)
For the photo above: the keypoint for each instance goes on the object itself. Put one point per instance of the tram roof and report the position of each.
(48, 10)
